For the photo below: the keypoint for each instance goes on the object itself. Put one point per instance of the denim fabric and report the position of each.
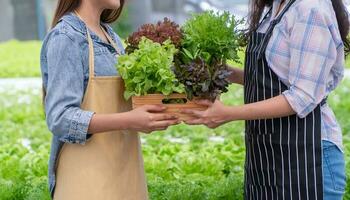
(334, 178)
(65, 74)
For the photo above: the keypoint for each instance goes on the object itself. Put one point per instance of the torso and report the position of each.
(105, 61)
(279, 58)
(283, 155)
(110, 165)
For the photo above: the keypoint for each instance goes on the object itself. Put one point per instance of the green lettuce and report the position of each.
(209, 40)
(212, 36)
(148, 69)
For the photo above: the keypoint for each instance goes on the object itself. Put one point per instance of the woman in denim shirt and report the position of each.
(65, 73)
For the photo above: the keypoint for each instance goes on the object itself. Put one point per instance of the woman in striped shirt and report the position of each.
(294, 60)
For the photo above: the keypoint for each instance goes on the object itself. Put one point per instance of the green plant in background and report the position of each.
(24, 146)
(181, 163)
(123, 25)
(148, 69)
(20, 59)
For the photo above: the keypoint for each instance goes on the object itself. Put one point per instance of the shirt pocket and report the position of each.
(105, 62)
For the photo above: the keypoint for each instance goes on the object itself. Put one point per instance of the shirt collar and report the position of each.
(74, 22)
(80, 26)
(275, 6)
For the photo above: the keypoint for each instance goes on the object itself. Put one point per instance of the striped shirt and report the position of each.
(307, 54)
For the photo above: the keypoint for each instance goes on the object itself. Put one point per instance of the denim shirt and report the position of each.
(65, 73)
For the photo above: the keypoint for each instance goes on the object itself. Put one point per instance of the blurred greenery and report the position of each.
(123, 25)
(22, 59)
(184, 162)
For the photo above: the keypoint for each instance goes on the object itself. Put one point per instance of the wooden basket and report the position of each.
(174, 108)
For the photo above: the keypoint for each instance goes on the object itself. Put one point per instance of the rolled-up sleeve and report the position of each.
(313, 54)
(65, 91)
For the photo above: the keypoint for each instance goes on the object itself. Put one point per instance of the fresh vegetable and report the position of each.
(160, 32)
(202, 80)
(209, 40)
(197, 56)
(211, 36)
(148, 69)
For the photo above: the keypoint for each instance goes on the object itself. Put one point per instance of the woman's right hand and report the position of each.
(150, 118)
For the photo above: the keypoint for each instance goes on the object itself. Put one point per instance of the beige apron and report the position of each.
(110, 165)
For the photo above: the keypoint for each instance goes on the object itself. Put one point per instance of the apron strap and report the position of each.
(91, 47)
(269, 31)
(266, 15)
(91, 56)
(91, 50)
(111, 41)
(324, 101)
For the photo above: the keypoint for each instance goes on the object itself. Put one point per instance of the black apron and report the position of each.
(283, 155)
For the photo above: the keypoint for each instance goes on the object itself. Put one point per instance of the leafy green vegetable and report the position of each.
(210, 39)
(211, 36)
(148, 69)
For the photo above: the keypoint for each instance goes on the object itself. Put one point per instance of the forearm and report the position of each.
(108, 122)
(271, 108)
(237, 75)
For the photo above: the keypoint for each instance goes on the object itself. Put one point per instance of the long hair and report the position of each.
(66, 6)
(257, 7)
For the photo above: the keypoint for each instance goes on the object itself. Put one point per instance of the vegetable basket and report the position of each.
(172, 65)
(174, 103)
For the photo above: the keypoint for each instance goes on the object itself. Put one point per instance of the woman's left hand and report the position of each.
(216, 115)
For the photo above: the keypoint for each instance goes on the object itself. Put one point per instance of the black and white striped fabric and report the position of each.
(283, 155)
